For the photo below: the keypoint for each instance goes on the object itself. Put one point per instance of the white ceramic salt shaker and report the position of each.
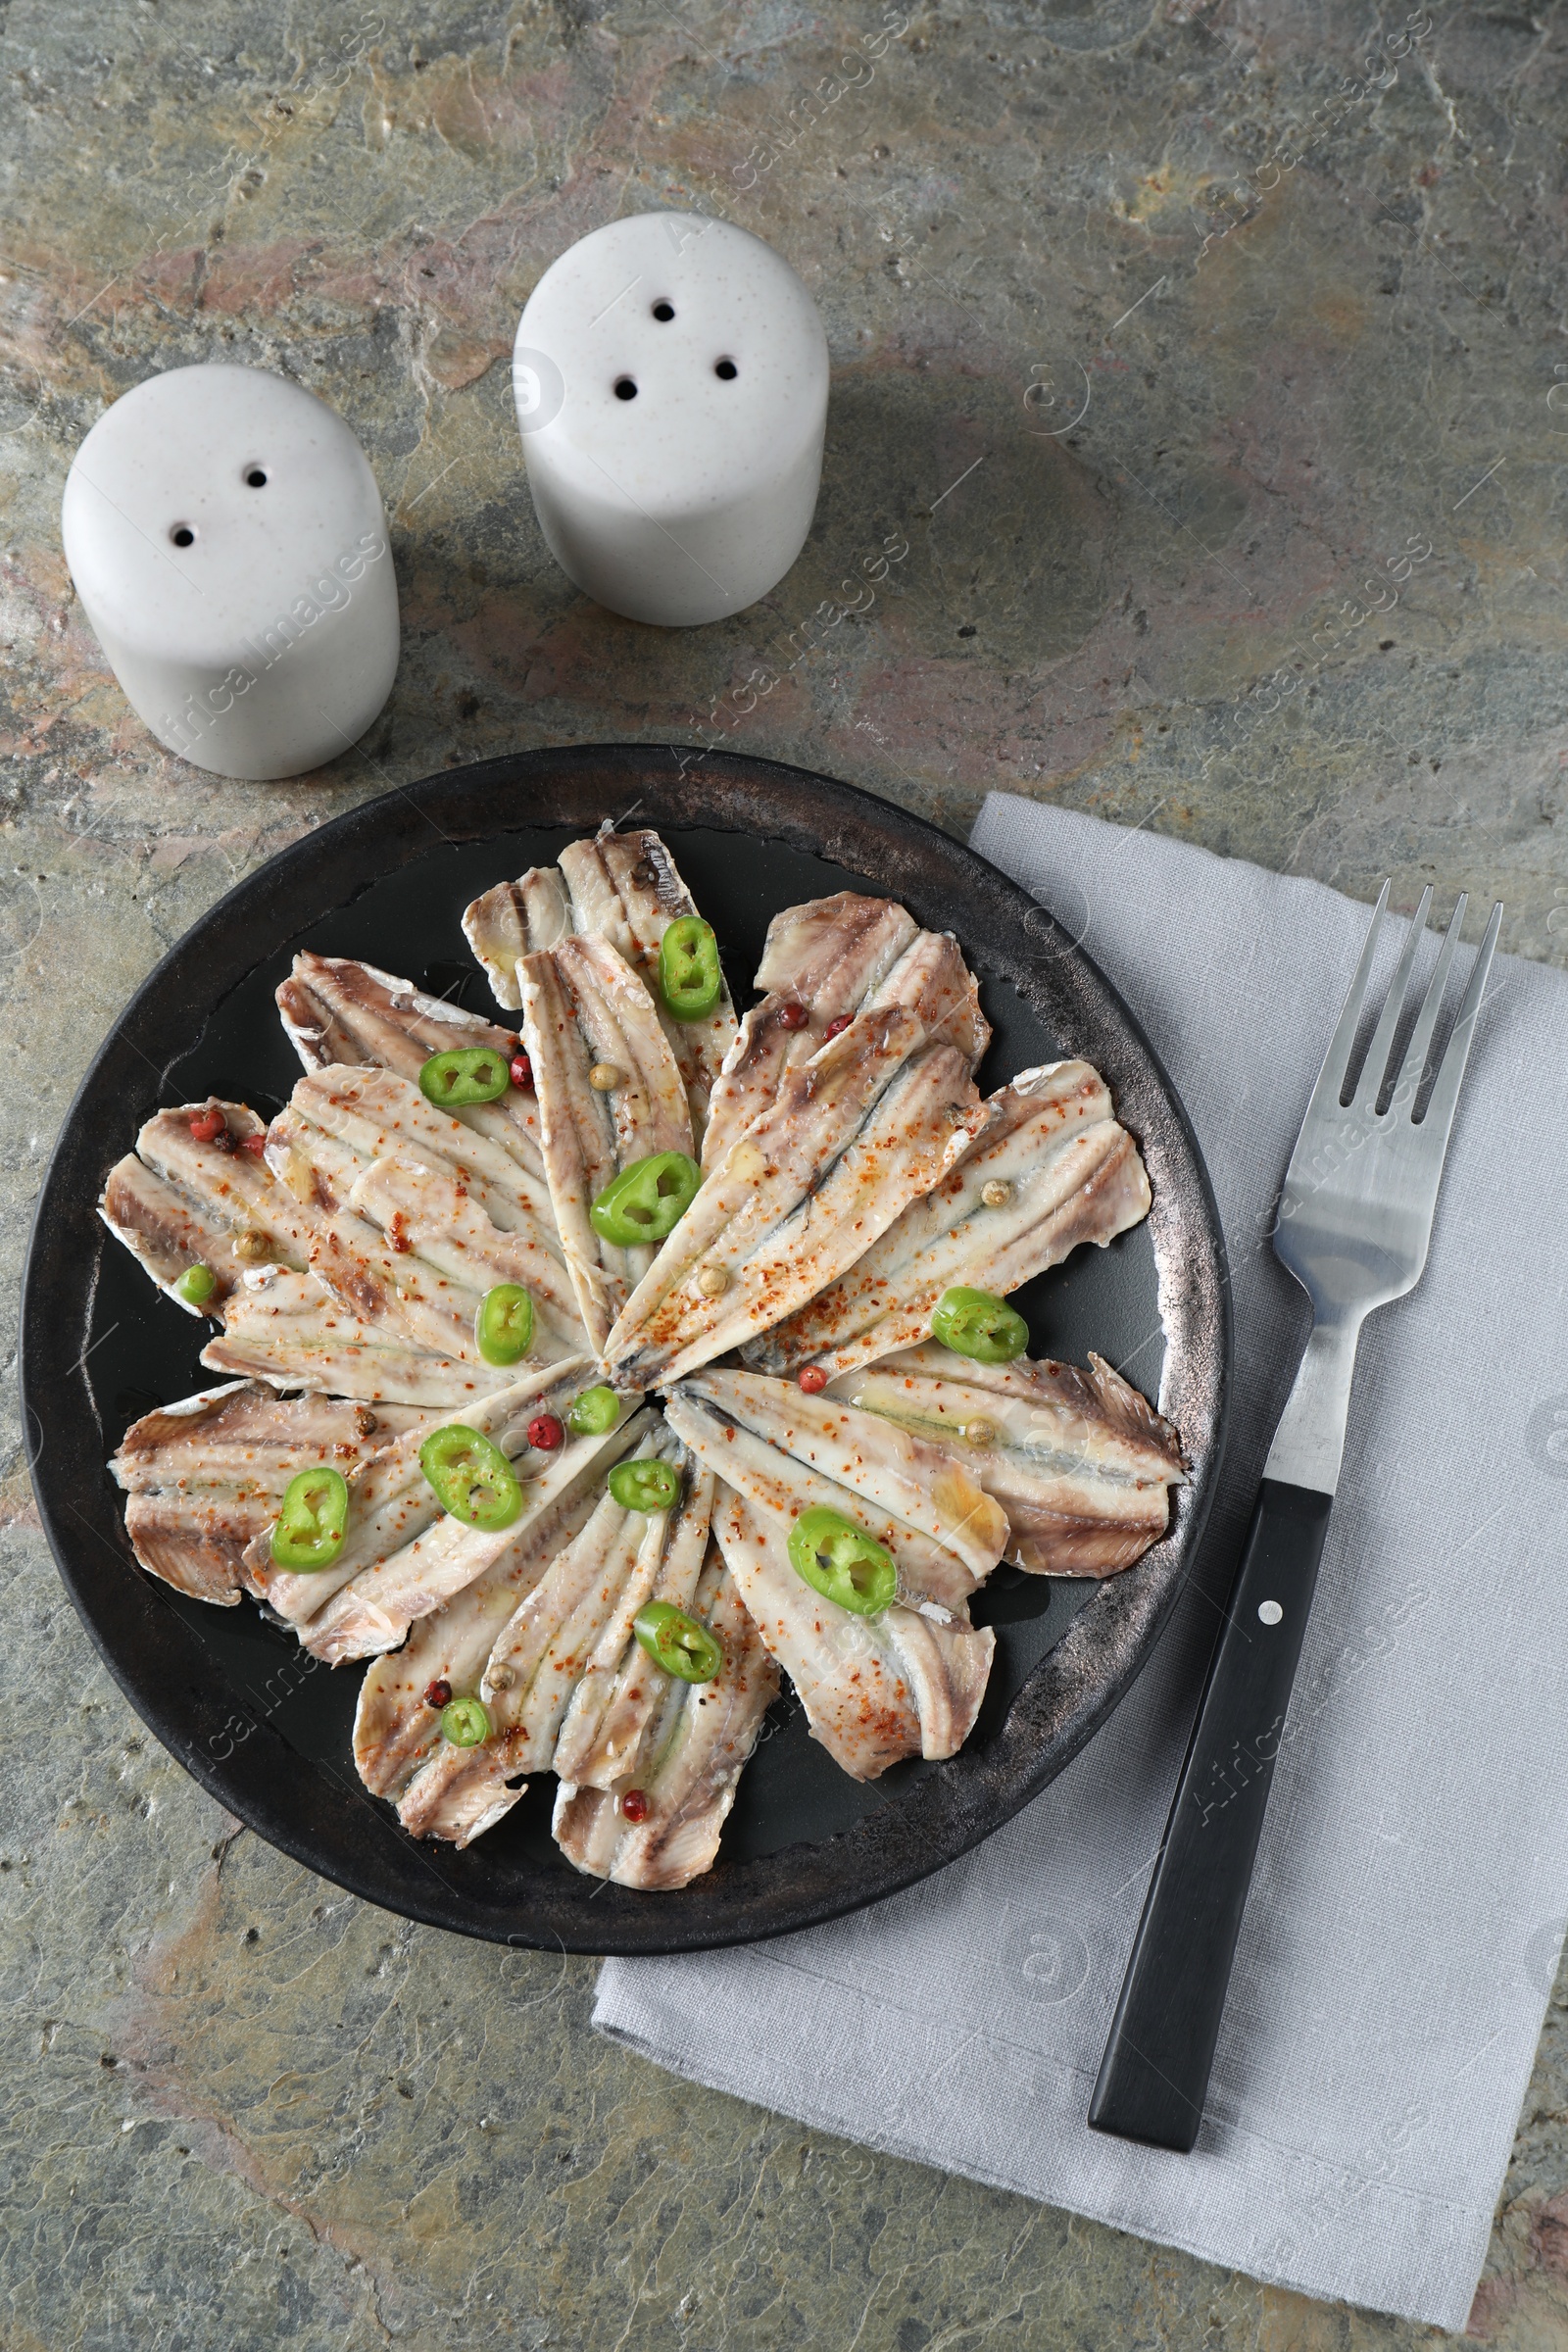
(670, 376)
(229, 546)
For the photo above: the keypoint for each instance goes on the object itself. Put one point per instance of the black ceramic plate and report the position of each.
(266, 1730)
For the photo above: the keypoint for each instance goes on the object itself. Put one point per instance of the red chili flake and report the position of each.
(545, 1432)
(522, 1072)
(208, 1125)
(792, 1016)
(254, 1144)
(635, 1805)
(438, 1694)
(836, 1028)
(812, 1378)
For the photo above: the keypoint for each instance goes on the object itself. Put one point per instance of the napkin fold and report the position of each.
(1409, 1903)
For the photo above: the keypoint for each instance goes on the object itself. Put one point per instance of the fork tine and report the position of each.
(1450, 1073)
(1407, 1085)
(1337, 1060)
(1380, 1051)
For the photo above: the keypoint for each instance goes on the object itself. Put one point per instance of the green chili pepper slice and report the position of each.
(196, 1285)
(689, 977)
(473, 1480)
(646, 1484)
(647, 1201)
(842, 1563)
(677, 1643)
(503, 1324)
(977, 1324)
(467, 1074)
(465, 1722)
(313, 1520)
(593, 1413)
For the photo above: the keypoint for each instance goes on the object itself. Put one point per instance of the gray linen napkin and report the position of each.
(1409, 1903)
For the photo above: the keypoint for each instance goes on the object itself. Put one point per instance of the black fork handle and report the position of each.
(1154, 2076)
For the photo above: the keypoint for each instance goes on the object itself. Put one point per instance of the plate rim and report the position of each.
(262, 1777)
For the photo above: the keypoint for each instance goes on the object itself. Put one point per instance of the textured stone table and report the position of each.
(1182, 353)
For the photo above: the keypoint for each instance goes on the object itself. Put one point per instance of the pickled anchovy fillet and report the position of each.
(337, 1009)
(620, 1688)
(584, 1006)
(843, 955)
(786, 1451)
(516, 919)
(808, 945)
(377, 1113)
(375, 1610)
(1081, 1464)
(578, 1612)
(284, 1328)
(875, 1688)
(177, 1203)
(204, 1478)
(393, 1501)
(624, 887)
(396, 1728)
(687, 1762)
(1072, 1174)
(870, 1122)
(408, 1240)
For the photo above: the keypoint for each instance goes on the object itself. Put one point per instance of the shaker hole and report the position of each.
(728, 370)
(183, 535)
(625, 389)
(663, 312)
(256, 476)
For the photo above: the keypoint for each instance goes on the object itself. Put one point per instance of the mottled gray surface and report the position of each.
(239, 2110)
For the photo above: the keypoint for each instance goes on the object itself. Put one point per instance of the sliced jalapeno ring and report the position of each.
(465, 1074)
(593, 1413)
(503, 1324)
(472, 1479)
(646, 1202)
(645, 1484)
(680, 1644)
(689, 977)
(465, 1722)
(979, 1325)
(313, 1520)
(842, 1563)
(196, 1285)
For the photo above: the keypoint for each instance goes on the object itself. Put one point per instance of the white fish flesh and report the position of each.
(875, 1688)
(285, 1329)
(618, 1691)
(397, 1726)
(574, 1620)
(392, 1502)
(830, 960)
(177, 1203)
(869, 1123)
(1071, 1175)
(687, 1762)
(204, 1478)
(337, 1009)
(514, 919)
(404, 1555)
(407, 1241)
(1081, 1464)
(625, 888)
(786, 1451)
(584, 1009)
(375, 1609)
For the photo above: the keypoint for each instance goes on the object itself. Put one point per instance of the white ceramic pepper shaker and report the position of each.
(670, 376)
(229, 546)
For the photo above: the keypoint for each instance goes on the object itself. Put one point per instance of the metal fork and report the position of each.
(1353, 1227)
